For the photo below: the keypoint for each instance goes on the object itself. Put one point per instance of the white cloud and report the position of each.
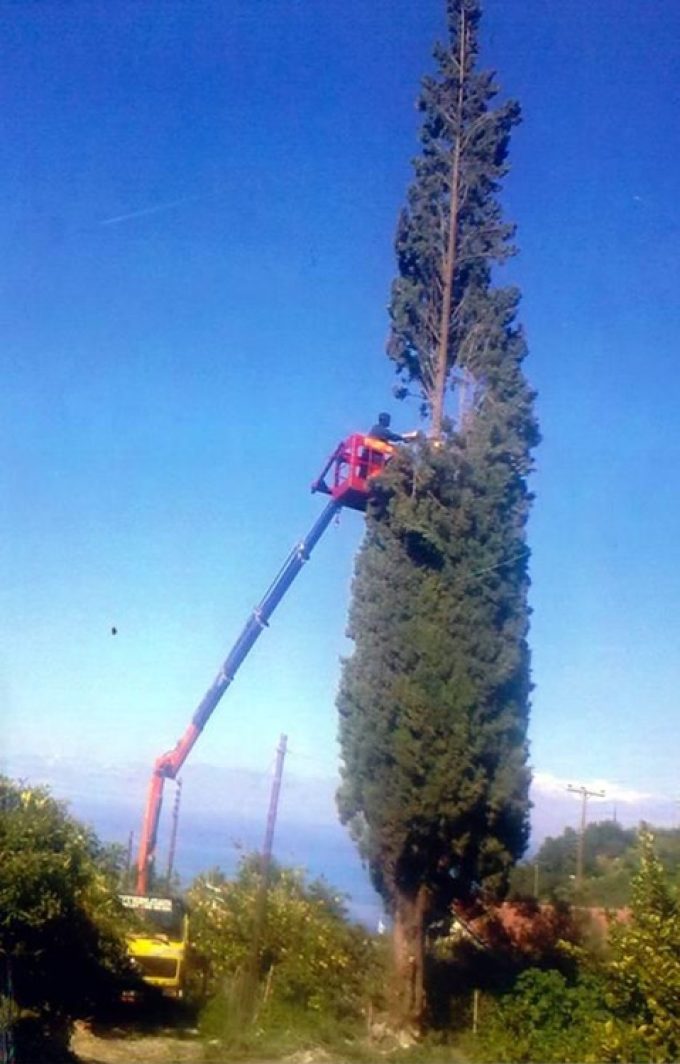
(547, 784)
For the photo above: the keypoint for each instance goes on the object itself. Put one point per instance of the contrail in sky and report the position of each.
(147, 210)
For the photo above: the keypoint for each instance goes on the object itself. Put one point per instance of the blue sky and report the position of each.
(199, 202)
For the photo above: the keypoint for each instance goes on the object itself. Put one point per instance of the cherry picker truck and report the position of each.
(346, 478)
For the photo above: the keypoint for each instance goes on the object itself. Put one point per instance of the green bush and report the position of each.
(61, 945)
(644, 972)
(544, 1018)
(625, 1008)
(314, 971)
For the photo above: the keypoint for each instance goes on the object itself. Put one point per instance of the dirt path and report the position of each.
(119, 1046)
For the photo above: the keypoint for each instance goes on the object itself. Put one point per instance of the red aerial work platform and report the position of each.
(353, 463)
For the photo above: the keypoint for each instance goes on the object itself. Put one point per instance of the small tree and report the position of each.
(544, 1018)
(312, 962)
(644, 974)
(60, 920)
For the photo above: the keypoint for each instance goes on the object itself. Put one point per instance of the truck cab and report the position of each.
(158, 940)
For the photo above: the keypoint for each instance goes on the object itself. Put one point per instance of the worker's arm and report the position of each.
(395, 437)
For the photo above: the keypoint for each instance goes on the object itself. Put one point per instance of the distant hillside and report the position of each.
(610, 858)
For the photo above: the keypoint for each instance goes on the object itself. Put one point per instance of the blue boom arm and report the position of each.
(169, 764)
(259, 618)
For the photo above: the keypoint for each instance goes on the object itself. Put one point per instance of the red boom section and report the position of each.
(353, 463)
(165, 767)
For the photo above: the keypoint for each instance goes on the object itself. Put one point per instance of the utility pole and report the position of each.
(260, 915)
(273, 806)
(585, 795)
(173, 834)
(128, 861)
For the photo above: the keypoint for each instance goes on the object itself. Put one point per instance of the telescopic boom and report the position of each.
(350, 468)
(168, 765)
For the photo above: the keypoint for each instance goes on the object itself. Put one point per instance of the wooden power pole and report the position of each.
(273, 806)
(260, 915)
(585, 795)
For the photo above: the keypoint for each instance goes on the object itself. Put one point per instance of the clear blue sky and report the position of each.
(199, 202)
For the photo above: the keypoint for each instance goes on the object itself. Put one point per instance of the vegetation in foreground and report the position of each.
(538, 988)
(62, 945)
(283, 971)
(278, 964)
(623, 1007)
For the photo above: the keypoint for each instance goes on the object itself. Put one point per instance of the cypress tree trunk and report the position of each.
(409, 958)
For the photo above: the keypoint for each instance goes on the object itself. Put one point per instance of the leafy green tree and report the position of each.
(644, 973)
(557, 857)
(626, 1008)
(604, 841)
(311, 961)
(60, 920)
(434, 700)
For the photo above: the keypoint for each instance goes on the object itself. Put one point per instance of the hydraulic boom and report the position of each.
(353, 463)
(168, 765)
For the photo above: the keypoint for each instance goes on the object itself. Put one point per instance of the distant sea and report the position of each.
(212, 840)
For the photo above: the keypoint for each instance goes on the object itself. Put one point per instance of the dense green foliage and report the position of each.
(620, 1006)
(545, 1018)
(60, 921)
(316, 970)
(609, 859)
(487, 949)
(644, 973)
(433, 702)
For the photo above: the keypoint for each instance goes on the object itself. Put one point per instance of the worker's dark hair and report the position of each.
(384, 419)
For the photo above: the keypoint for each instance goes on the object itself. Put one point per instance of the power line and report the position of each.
(498, 565)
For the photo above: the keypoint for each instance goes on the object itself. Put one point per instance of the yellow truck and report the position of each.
(157, 944)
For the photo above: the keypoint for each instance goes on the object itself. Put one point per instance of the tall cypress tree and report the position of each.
(434, 700)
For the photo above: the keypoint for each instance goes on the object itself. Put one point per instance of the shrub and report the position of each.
(314, 968)
(644, 973)
(544, 1018)
(60, 938)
